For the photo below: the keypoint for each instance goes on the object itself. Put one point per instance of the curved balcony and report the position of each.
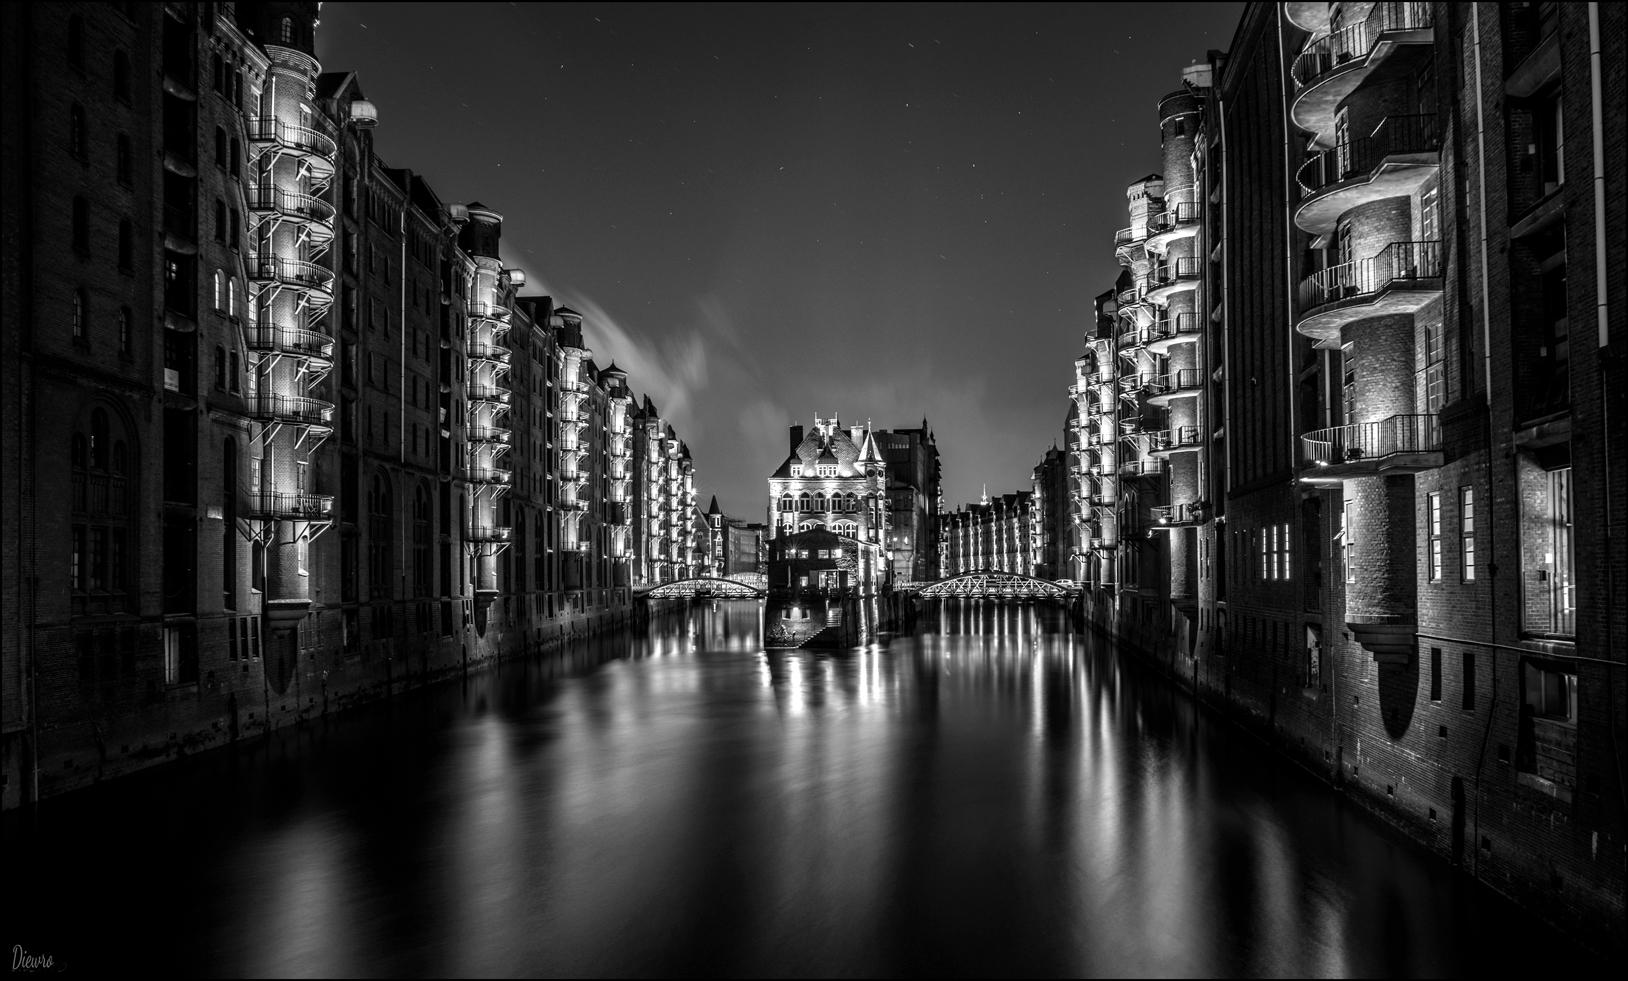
(297, 274)
(487, 349)
(1331, 66)
(274, 506)
(494, 536)
(1175, 385)
(574, 504)
(1167, 516)
(491, 315)
(1179, 220)
(315, 148)
(1170, 278)
(1400, 444)
(1402, 278)
(295, 206)
(492, 474)
(1130, 426)
(490, 434)
(290, 341)
(291, 409)
(1399, 155)
(1133, 382)
(1179, 439)
(1183, 328)
(1133, 340)
(1128, 245)
(1128, 297)
(1152, 467)
(490, 390)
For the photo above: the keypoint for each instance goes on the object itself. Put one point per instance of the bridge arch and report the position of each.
(987, 583)
(706, 586)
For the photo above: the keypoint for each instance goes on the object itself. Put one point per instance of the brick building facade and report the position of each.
(1406, 399)
(281, 430)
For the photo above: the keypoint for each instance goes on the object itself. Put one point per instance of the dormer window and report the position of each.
(828, 470)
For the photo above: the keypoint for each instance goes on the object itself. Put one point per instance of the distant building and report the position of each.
(1053, 502)
(745, 547)
(915, 499)
(995, 535)
(836, 479)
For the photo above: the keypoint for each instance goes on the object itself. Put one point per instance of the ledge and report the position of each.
(1535, 70)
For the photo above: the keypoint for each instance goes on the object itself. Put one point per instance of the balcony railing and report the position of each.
(300, 139)
(296, 341)
(1125, 236)
(290, 507)
(1397, 262)
(489, 390)
(490, 535)
(1173, 439)
(1175, 215)
(1185, 267)
(290, 408)
(1373, 440)
(489, 434)
(1393, 135)
(1325, 54)
(1142, 468)
(486, 349)
(490, 475)
(1186, 379)
(288, 272)
(1178, 514)
(491, 311)
(270, 199)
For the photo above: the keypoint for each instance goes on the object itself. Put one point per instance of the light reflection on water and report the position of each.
(998, 795)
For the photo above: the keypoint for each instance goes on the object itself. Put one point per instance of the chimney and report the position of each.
(796, 437)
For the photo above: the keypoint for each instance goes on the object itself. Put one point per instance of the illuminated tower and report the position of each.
(292, 157)
(619, 452)
(491, 298)
(574, 442)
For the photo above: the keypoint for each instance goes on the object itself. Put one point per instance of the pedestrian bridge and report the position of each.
(1003, 585)
(707, 586)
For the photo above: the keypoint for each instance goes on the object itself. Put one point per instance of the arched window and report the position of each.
(121, 76)
(378, 536)
(220, 220)
(102, 536)
(79, 314)
(81, 224)
(76, 41)
(233, 239)
(219, 68)
(127, 244)
(76, 131)
(220, 147)
(237, 156)
(124, 329)
(785, 502)
(288, 30)
(231, 296)
(126, 174)
(220, 290)
(819, 502)
(421, 542)
(802, 501)
(220, 368)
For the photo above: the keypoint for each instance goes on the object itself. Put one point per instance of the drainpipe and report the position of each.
(1603, 339)
(401, 322)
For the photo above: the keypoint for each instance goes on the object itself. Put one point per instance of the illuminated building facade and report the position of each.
(836, 479)
(1004, 534)
(297, 435)
(1336, 418)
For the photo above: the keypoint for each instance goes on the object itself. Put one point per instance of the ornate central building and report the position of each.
(835, 480)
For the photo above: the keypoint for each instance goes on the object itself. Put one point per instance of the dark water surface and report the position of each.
(996, 796)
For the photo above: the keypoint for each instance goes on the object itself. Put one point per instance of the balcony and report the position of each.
(490, 536)
(316, 149)
(1133, 340)
(1179, 220)
(574, 504)
(490, 314)
(1402, 278)
(1398, 445)
(290, 409)
(489, 434)
(1183, 328)
(1331, 66)
(1142, 468)
(1179, 439)
(490, 390)
(487, 349)
(1174, 277)
(496, 475)
(1187, 382)
(297, 274)
(1392, 161)
(1128, 245)
(273, 506)
(296, 206)
(290, 342)
(1167, 516)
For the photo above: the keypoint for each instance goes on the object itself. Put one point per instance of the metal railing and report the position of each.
(282, 506)
(290, 272)
(289, 340)
(1175, 215)
(486, 349)
(490, 535)
(1373, 440)
(1142, 468)
(1399, 261)
(1185, 267)
(489, 434)
(487, 310)
(1173, 439)
(1324, 54)
(301, 139)
(1358, 157)
(490, 475)
(1181, 380)
(1125, 236)
(1178, 514)
(271, 198)
(489, 390)
(290, 408)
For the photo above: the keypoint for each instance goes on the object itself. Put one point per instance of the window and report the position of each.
(1467, 682)
(1348, 535)
(236, 157)
(218, 72)
(122, 163)
(1433, 531)
(124, 329)
(1435, 379)
(220, 369)
(79, 314)
(1348, 390)
(1466, 532)
(1267, 552)
(121, 76)
(228, 553)
(220, 220)
(1429, 213)
(1562, 591)
(286, 35)
(76, 41)
(127, 245)
(234, 235)
(1550, 694)
(220, 290)
(1551, 133)
(1435, 674)
(101, 533)
(378, 545)
(220, 147)
(81, 224)
(233, 373)
(231, 297)
(76, 131)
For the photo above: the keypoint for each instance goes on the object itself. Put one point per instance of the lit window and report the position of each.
(1433, 526)
(1466, 531)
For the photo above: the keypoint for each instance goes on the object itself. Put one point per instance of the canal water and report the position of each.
(995, 794)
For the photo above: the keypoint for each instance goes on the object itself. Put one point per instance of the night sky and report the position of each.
(771, 211)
